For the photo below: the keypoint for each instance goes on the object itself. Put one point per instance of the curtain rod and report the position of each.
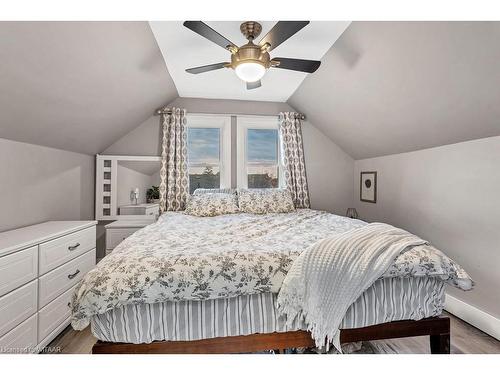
(168, 111)
(163, 111)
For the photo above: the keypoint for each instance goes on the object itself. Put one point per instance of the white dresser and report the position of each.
(39, 267)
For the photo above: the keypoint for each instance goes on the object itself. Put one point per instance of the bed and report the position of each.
(190, 284)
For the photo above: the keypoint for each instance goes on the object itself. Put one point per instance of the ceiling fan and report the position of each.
(251, 61)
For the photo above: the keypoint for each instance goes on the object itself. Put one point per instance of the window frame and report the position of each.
(223, 123)
(244, 123)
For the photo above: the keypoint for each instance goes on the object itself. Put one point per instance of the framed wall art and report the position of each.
(368, 187)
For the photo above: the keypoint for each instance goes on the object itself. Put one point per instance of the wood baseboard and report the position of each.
(472, 315)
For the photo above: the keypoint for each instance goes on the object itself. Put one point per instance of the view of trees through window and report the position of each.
(262, 177)
(203, 158)
(205, 178)
(262, 158)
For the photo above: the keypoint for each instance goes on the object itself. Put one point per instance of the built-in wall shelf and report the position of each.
(106, 204)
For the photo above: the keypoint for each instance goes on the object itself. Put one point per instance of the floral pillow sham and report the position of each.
(212, 204)
(265, 201)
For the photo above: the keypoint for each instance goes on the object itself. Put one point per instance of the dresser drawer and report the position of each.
(17, 269)
(22, 339)
(61, 250)
(115, 236)
(56, 282)
(54, 314)
(17, 306)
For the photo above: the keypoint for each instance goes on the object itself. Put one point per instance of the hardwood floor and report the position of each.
(464, 339)
(70, 341)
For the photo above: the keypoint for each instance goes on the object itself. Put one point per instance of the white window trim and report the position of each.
(224, 124)
(254, 122)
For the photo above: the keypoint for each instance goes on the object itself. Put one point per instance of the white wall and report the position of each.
(329, 169)
(449, 195)
(329, 172)
(40, 183)
(143, 140)
(128, 180)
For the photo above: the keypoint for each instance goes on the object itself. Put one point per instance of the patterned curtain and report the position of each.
(293, 158)
(173, 172)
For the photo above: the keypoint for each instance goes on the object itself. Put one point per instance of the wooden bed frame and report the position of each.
(438, 328)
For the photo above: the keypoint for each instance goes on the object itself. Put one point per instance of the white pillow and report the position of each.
(265, 201)
(212, 204)
(208, 191)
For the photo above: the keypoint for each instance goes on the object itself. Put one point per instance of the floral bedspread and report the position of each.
(183, 257)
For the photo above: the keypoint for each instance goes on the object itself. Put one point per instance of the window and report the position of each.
(209, 152)
(258, 144)
(259, 154)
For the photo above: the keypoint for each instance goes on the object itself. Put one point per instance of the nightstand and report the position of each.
(141, 209)
(118, 230)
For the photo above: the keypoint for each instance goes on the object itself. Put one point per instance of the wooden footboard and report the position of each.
(438, 328)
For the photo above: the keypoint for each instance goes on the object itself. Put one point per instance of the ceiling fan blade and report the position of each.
(308, 66)
(206, 31)
(253, 85)
(281, 32)
(206, 68)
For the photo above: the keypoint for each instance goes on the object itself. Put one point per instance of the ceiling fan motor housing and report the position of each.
(251, 29)
(250, 53)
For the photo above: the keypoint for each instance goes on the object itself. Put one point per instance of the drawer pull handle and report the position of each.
(74, 247)
(73, 274)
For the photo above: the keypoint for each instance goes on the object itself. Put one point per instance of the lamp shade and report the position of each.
(352, 213)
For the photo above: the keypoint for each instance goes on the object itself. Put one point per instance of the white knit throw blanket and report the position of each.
(328, 277)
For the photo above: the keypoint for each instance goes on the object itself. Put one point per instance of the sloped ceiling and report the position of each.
(391, 87)
(79, 86)
(147, 168)
(383, 88)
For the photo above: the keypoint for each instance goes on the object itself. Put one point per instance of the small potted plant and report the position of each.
(153, 194)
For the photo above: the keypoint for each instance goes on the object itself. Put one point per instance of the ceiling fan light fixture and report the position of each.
(251, 71)
(251, 60)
